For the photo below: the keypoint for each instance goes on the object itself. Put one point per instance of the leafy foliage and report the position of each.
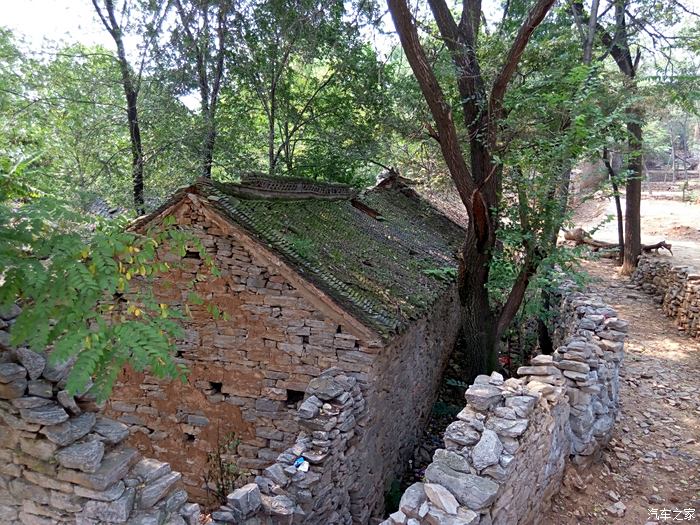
(85, 288)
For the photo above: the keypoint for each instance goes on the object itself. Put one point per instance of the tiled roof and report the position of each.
(385, 255)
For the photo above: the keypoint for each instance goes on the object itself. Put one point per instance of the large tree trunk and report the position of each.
(478, 183)
(479, 335)
(633, 197)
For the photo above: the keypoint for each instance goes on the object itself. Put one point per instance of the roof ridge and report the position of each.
(253, 185)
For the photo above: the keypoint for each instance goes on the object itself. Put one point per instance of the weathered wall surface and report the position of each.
(404, 383)
(63, 463)
(675, 288)
(505, 455)
(249, 374)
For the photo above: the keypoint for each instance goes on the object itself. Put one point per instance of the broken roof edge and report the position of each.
(405, 185)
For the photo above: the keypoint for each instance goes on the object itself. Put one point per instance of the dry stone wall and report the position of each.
(675, 288)
(312, 481)
(61, 462)
(249, 373)
(505, 455)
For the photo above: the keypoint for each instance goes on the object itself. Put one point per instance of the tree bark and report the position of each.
(131, 94)
(478, 183)
(633, 198)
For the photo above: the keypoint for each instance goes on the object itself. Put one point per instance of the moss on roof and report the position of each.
(385, 255)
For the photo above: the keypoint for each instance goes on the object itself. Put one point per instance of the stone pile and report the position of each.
(288, 493)
(675, 288)
(62, 463)
(505, 455)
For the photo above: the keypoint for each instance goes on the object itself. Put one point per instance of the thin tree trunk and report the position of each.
(618, 206)
(673, 156)
(271, 134)
(208, 149)
(633, 197)
(131, 94)
(136, 150)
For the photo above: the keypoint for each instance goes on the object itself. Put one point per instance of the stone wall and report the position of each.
(249, 373)
(675, 288)
(505, 455)
(61, 462)
(329, 446)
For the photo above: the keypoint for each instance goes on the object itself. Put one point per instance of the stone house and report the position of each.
(314, 276)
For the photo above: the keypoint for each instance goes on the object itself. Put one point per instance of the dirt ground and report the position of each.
(662, 219)
(652, 464)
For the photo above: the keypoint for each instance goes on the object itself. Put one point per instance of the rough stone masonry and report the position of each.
(505, 455)
(62, 462)
(675, 288)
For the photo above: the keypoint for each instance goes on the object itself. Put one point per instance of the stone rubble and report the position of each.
(322, 495)
(505, 456)
(62, 464)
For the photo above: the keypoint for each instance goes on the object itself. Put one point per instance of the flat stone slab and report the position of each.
(149, 469)
(157, 489)
(574, 366)
(71, 430)
(471, 491)
(110, 494)
(114, 467)
(82, 456)
(543, 370)
(507, 427)
(10, 372)
(51, 414)
(325, 388)
(112, 431)
(116, 511)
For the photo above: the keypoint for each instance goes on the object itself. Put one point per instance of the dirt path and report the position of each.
(653, 461)
(676, 222)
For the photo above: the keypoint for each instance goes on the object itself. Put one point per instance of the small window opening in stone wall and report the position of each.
(339, 330)
(294, 396)
(191, 254)
(189, 438)
(216, 386)
(305, 339)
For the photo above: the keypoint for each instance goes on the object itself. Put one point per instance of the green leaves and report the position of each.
(86, 289)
